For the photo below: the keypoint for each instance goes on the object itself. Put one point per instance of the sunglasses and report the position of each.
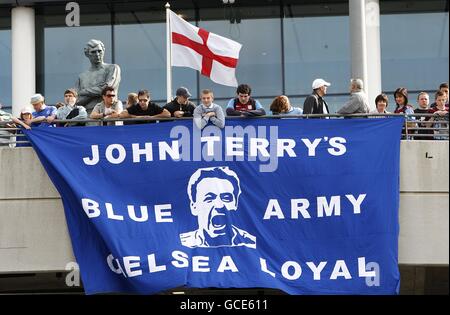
(110, 95)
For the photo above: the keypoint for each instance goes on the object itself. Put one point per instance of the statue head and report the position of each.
(95, 51)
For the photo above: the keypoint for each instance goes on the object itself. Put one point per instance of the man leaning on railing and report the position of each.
(358, 103)
(440, 117)
(381, 104)
(314, 103)
(145, 109)
(110, 107)
(43, 115)
(424, 131)
(71, 111)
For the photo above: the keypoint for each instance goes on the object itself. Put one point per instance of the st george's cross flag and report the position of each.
(216, 57)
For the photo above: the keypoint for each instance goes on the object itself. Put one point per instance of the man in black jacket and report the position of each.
(181, 106)
(145, 109)
(315, 104)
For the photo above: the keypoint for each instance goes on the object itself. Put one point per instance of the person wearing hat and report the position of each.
(181, 106)
(23, 122)
(43, 115)
(144, 109)
(13, 122)
(25, 117)
(315, 104)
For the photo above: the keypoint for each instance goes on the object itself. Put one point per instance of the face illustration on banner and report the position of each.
(214, 194)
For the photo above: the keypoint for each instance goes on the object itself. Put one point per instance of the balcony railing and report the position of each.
(416, 127)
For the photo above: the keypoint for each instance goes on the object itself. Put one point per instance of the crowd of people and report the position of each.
(428, 121)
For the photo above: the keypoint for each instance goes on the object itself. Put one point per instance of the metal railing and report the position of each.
(416, 126)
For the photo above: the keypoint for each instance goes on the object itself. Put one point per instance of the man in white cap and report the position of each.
(43, 115)
(315, 104)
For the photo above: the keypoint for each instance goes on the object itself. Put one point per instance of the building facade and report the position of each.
(286, 45)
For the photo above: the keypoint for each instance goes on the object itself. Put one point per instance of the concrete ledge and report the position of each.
(424, 166)
(33, 236)
(23, 176)
(424, 226)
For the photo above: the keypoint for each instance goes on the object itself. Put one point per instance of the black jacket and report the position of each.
(173, 106)
(314, 105)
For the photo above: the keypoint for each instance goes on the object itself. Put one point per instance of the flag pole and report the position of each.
(169, 53)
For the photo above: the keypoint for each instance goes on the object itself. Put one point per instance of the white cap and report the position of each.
(317, 83)
(36, 98)
(26, 110)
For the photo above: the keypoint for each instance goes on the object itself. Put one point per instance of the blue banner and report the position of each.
(307, 206)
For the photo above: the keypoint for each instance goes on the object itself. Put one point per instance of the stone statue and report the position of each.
(91, 82)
